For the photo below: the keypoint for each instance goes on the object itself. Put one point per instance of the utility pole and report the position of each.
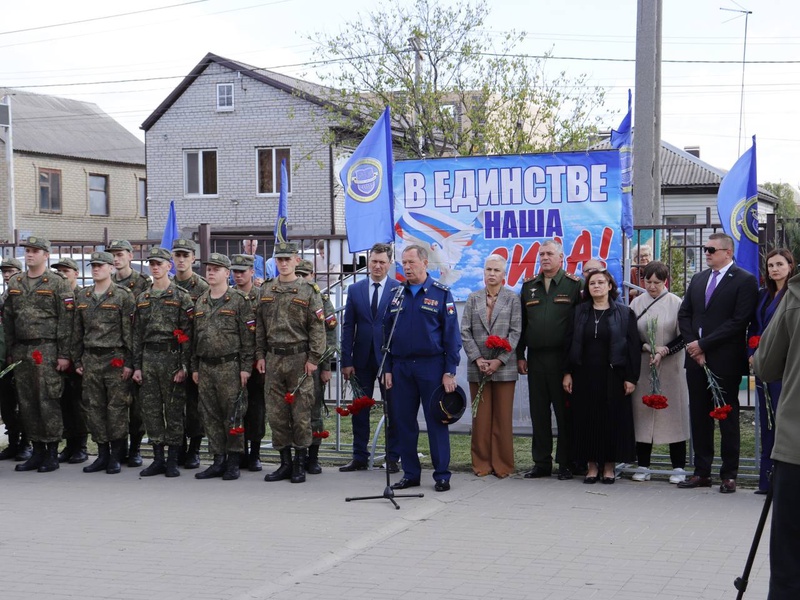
(5, 121)
(416, 46)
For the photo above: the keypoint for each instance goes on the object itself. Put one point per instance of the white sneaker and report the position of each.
(641, 476)
(678, 476)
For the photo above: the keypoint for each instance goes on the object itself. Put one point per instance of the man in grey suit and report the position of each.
(362, 338)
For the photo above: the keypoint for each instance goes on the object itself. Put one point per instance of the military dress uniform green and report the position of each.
(38, 315)
(161, 317)
(317, 417)
(193, 427)
(545, 318)
(289, 332)
(223, 347)
(103, 347)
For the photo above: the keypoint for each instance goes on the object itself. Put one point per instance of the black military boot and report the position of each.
(172, 461)
(24, 450)
(299, 466)
(135, 454)
(232, 466)
(254, 458)
(116, 454)
(50, 462)
(101, 462)
(215, 470)
(79, 454)
(158, 466)
(285, 470)
(11, 450)
(36, 458)
(312, 462)
(64, 455)
(192, 456)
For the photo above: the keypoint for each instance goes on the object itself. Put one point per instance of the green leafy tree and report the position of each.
(788, 215)
(453, 87)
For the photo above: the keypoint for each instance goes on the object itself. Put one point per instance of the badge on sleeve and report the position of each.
(451, 308)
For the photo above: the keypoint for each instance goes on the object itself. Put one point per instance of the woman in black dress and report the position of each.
(601, 369)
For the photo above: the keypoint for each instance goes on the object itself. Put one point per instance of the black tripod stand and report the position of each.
(740, 583)
(388, 492)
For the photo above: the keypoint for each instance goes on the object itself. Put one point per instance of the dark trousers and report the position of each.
(136, 427)
(366, 380)
(677, 454)
(545, 373)
(73, 409)
(784, 543)
(413, 384)
(700, 405)
(9, 408)
(193, 425)
(255, 419)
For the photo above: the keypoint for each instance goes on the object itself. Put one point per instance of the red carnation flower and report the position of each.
(236, 430)
(721, 412)
(289, 398)
(495, 342)
(37, 357)
(117, 363)
(753, 341)
(181, 336)
(655, 401)
(320, 434)
(343, 411)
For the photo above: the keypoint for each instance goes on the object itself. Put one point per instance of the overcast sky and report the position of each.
(700, 101)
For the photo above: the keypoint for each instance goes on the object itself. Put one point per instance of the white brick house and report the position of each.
(215, 144)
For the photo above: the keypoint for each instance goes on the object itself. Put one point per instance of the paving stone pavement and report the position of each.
(69, 535)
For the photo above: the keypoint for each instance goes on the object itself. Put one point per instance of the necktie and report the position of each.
(374, 304)
(711, 286)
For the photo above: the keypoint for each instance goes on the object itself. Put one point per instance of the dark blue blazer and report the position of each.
(360, 333)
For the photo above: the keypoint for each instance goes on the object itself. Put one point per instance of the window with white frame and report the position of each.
(200, 172)
(98, 195)
(142, 195)
(268, 162)
(224, 97)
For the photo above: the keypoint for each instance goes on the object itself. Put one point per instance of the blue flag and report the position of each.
(367, 181)
(281, 232)
(622, 140)
(170, 231)
(737, 204)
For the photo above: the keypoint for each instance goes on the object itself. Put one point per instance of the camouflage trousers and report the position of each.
(39, 389)
(290, 423)
(162, 400)
(106, 397)
(219, 387)
(317, 419)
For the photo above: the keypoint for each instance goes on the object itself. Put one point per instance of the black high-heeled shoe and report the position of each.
(590, 480)
(609, 480)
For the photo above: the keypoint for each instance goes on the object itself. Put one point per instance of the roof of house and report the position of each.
(71, 128)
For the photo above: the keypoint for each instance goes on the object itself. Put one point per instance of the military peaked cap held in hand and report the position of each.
(36, 242)
(66, 262)
(242, 262)
(219, 260)
(182, 244)
(11, 263)
(119, 245)
(448, 408)
(286, 249)
(305, 267)
(101, 258)
(161, 254)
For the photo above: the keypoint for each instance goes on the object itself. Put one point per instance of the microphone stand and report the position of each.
(740, 583)
(388, 492)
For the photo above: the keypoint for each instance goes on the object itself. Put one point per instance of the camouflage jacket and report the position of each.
(136, 283)
(290, 314)
(40, 308)
(158, 317)
(195, 285)
(104, 322)
(223, 327)
(330, 327)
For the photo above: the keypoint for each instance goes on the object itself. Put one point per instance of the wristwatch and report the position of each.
(453, 375)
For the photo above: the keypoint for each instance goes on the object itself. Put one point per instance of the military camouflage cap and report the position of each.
(286, 249)
(220, 260)
(242, 262)
(66, 262)
(184, 245)
(305, 267)
(11, 263)
(161, 254)
(119, 245)
(101, 258)
(36, 242)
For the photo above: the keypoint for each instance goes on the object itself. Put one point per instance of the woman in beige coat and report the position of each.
(494, 310)
(667, 425)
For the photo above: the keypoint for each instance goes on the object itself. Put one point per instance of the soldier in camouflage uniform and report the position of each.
(161, 355)
(222, 359)
(290, 341)
(183, 256)
(136, 283)
(19, 446)
(103, 348)
(322, 376)
(38, 317)
(73, 410)
(256, 415)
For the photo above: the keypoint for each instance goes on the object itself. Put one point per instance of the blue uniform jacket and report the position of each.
(427, 325)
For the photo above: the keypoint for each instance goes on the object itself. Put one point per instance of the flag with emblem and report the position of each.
(170, 232)
(367, 181)
(281, 231)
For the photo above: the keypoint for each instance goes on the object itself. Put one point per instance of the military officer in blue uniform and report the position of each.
(423, 357)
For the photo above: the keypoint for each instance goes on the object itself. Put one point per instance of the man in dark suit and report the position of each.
(362, 338)
(713, 319)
